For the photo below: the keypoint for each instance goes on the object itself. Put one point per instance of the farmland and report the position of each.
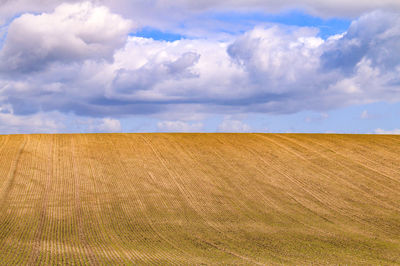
(199, 198)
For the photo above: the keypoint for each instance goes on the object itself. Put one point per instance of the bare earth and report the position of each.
(199, 199)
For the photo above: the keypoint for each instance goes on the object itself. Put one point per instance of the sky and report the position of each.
(307, 66)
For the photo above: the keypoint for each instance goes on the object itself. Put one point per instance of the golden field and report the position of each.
(104, 199)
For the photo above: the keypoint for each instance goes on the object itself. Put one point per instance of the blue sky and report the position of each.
(200, 66)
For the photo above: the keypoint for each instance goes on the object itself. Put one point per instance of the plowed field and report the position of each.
(105, 199)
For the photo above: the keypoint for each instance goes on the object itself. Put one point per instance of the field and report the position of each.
(199, 199)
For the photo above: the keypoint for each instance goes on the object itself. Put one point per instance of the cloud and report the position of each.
(229, 125)
(37, 123)
(167, 11)
(106, 125)
(277, 58)
(88, 66)
(152, 72)
(179, 126)
(72, 33)
(171, 75)
(306, 71)
(373, 37)
(387, 132)
(322, 7)
(54, 122)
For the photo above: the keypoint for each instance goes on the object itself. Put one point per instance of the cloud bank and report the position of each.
(80, 59)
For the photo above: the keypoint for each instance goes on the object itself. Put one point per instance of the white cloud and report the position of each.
(54, 122)
(236, 126)
(38, 123)
(72, 33)
(93, 125)
(107, 125)
(179, 126)
(277, 59)
(185, 71)
(388, 132)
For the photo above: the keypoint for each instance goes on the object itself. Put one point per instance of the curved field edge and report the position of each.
(199, 199)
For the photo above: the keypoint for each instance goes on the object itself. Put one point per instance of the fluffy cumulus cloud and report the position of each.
(72, 33)
(79, 59)
(374, 37)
